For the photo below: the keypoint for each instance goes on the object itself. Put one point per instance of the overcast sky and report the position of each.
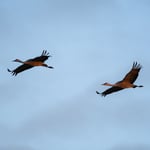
(91, 42)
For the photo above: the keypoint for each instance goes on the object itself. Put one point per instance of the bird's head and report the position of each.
(105, 83)
(16, 60)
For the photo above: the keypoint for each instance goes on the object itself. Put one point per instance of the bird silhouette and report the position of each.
(127, 81)
(37, 61)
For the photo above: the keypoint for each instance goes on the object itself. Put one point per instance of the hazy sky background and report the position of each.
(91, 42)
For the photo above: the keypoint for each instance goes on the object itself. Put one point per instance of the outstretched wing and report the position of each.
(111, 90)
(20, 69)
(133, 73)
(44, 56)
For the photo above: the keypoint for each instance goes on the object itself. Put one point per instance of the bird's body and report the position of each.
(37, 61)
(30, 62)
(127, 81)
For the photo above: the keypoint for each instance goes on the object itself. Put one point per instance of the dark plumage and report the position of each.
(132, 75)
(127, 81)
(37, 61)
(20, 69)
(110, 90)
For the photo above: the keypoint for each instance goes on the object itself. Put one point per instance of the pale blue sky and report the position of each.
(91, 41)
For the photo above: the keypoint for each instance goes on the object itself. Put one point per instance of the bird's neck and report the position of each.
(20, 61)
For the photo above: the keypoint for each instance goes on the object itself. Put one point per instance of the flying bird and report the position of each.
(127, 81)
(37, 61)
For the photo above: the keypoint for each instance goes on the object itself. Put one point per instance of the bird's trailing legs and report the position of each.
(50, 67)
(45, 65)
(138, 86)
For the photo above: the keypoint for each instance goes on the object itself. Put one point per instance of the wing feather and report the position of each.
(20, 69)
(132, 75)
(44, 56)
(111, 90)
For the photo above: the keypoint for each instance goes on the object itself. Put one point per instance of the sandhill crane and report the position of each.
(37, 61)
(127, 81)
